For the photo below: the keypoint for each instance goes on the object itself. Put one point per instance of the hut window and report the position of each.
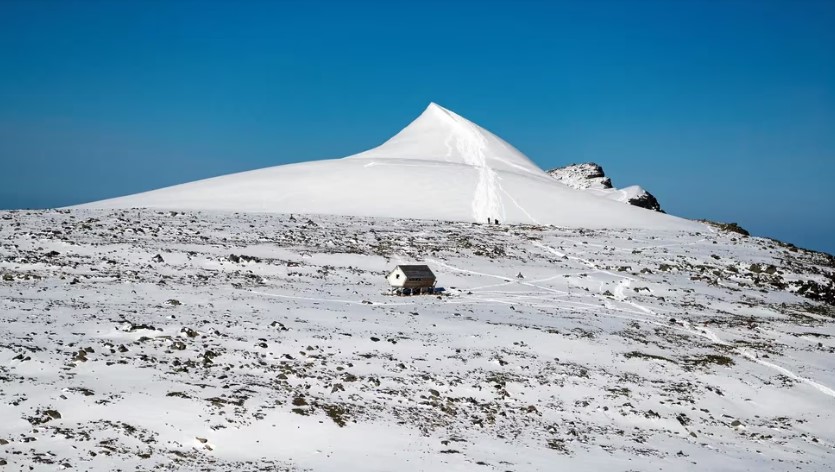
(397, 276)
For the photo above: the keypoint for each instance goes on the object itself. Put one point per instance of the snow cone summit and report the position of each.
(440, 167)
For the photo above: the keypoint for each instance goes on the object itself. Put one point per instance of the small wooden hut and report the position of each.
(411, 279)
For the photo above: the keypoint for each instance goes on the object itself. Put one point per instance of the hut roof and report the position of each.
(417, 271)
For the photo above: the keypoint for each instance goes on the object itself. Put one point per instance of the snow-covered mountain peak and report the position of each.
(441, 135)
(439, 167)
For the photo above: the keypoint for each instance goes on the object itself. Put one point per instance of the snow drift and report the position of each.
(440, 167)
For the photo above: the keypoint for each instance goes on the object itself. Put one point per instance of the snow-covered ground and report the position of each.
(142, 339)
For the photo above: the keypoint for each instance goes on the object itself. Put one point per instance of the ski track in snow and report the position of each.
(517, 205)
(821, 388)
(472, 146)
(466, 271)
(588, 263)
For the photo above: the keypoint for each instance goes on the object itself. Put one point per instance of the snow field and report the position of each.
(243, 340)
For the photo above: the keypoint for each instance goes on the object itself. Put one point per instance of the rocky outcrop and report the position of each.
(591, 177)
(646, 200)
(731, 227)
(582, 176)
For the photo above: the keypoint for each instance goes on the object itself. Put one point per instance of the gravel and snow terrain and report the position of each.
(143, 339)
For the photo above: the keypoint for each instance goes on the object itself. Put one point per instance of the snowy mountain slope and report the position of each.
(140, 339)
(440, 167)
(591, 178)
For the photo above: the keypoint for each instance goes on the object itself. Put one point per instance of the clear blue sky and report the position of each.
(724, 110)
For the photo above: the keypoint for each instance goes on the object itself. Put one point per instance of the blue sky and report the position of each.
(724, 110)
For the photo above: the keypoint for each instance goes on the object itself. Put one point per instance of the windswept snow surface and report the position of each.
(440, 167)
(150, 340)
